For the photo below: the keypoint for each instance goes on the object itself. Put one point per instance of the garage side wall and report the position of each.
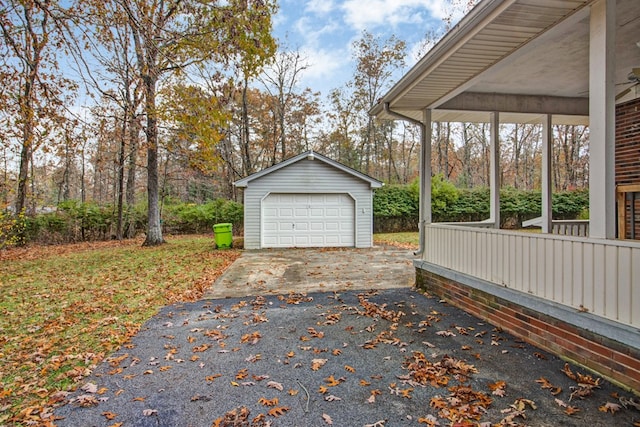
(308, 176)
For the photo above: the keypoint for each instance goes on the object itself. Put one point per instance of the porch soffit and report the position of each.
(504, 54)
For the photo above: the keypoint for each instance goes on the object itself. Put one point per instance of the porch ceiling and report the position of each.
(523, 58)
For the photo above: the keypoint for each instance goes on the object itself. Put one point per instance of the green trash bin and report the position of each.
(223, 235)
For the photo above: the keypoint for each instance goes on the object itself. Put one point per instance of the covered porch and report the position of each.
(574, 288)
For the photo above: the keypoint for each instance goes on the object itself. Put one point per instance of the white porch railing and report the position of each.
(572, 227)
(599, 276)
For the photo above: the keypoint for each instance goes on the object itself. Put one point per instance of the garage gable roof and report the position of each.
(309, 155)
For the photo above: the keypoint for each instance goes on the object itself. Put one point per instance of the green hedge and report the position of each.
(395, 208)
(74, 221)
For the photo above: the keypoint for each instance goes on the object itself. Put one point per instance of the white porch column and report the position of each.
(602, 46)
(494, 176)
(425, 169)
(547, 146)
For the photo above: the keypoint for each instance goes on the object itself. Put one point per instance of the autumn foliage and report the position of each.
(65, 308)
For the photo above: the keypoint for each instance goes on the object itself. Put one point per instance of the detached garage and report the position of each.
(308, 201)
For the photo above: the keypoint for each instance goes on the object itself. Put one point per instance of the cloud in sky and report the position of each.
(323, 31)
(368, 14)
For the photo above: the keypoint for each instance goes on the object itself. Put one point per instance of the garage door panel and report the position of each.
(308, 220)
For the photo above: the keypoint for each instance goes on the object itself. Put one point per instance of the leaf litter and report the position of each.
(394, 346)
(64, 308)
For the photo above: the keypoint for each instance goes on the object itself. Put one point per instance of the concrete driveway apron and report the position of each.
(282, 271)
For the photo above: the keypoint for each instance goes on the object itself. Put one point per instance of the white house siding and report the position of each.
(594, 275)
(308, 176)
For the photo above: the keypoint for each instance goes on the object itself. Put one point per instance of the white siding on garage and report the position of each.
(308, 176)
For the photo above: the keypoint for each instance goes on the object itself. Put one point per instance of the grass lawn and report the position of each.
(64, 308)
(407, 239)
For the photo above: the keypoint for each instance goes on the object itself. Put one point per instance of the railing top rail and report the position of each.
(609, 242)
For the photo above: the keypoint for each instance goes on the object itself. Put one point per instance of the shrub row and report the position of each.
(396, 208)
(74, 221)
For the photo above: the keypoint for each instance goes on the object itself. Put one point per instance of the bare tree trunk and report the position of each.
(247, 167)
(120, 189)
(23, 173)
(154, 229)
(131, 175)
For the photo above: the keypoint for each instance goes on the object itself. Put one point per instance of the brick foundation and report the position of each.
(617, 362)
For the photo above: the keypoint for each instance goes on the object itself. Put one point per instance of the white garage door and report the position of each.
(308, 220)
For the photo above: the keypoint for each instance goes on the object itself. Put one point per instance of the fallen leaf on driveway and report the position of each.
(149, 412)
(571, 410)
(90, 388)
(278, 411)
(609, 407)
(109, 415)
(430, 421)
(317, 364)
(276, 385)
(327, 419)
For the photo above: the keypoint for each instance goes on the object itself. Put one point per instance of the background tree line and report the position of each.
(184, 97)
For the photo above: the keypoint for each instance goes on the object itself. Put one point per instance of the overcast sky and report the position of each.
(323, 31)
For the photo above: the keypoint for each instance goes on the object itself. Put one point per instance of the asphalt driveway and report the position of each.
(278, 342)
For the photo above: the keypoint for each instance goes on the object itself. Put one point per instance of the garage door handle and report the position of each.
(293, 226)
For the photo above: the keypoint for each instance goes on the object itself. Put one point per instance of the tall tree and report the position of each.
(170, 36)
(280, 78)
(376, 62)
(571, 157)
(30, 78)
